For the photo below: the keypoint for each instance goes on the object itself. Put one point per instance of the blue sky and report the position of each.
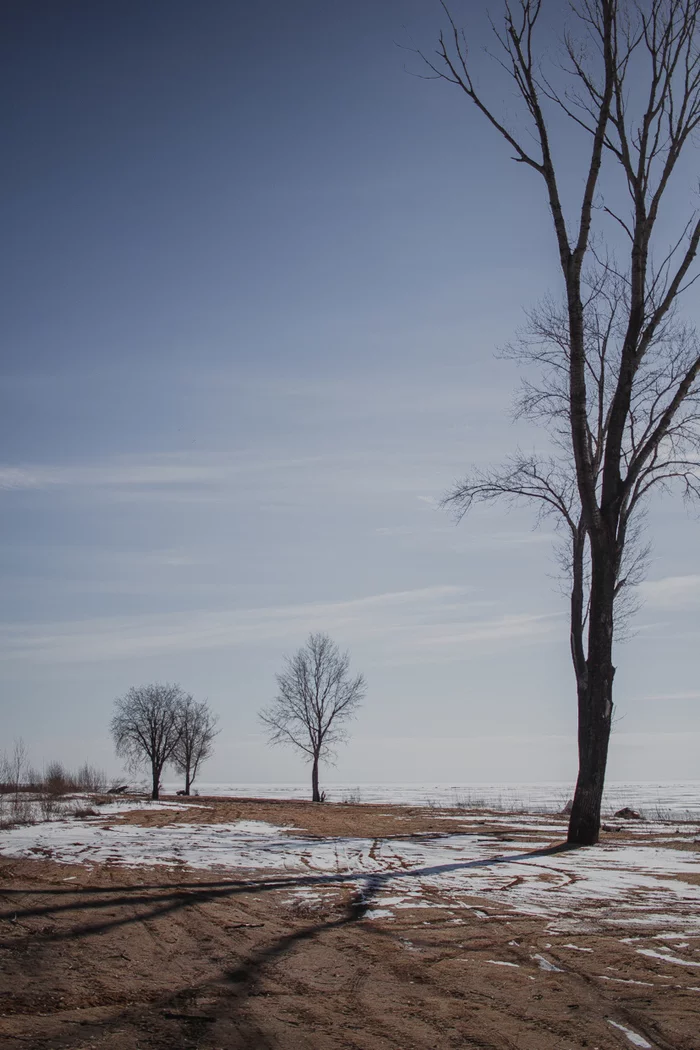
(254, 277)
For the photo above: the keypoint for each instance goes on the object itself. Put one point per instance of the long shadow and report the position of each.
(233, 988)
(182, 1021)
(183, 895)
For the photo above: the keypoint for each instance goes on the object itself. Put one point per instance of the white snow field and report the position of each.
(675, 800)
(636, 885)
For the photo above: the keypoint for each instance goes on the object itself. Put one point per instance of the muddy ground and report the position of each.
(124, 958)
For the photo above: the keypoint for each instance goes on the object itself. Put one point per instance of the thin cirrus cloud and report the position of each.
(438, 618)
(497, 540)
(182, 475)
(680, 697)
(136, 473)
(671, 592)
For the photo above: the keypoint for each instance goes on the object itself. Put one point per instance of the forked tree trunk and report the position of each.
(594, 710)
(315, 793)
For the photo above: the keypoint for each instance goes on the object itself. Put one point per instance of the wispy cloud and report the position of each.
(173, 470)
(507, 627)
(375, 395)
(107, 474)
(218, 474)
(672, 592)
(461, 538)
(663, 698)
(442, 617)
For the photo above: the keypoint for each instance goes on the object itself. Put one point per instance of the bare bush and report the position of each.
(33, 780)
(57, 780)
(14, 810)
(81, 812)
(49, 806)
(91, 780)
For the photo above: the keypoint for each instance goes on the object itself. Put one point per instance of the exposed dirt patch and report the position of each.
(337, 819)
(123, 958)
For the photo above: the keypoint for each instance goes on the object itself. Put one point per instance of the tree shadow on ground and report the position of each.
(162, 900)
(227, 1020)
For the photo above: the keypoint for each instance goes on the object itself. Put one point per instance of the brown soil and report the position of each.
(367, 820)
(129, 959)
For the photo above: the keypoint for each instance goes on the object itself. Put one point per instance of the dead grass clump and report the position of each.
(15, 810)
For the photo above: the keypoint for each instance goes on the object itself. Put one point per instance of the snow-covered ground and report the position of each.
(631, 884)
(27, 808)
(676, 800)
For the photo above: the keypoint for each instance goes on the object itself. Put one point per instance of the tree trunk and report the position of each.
(188, 782)
(315, 794)
(155, 792)
(594, 709)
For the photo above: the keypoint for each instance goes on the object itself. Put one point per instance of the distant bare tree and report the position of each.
(89, 778)
(619, 377)
(197, 726)
(146, 727)
(316, 698)
(17, 764)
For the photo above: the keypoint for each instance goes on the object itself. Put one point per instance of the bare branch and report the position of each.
(316, 698)
(146, 727)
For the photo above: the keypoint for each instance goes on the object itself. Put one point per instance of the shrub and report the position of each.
(91, 779)
(57, 780)
(81, 812)
(48, 806)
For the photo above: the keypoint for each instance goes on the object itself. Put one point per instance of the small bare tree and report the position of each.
(18, 764)
(316, 698)
(146, 727)
(197, 727)
(619, 377)
(14, 767)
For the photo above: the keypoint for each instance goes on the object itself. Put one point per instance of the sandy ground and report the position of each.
(169, 957)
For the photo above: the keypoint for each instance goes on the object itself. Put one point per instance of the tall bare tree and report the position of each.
(197, 729)
(146, 727)
(618, 381)
(316, 698)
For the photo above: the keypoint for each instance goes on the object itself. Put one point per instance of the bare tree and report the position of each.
(618, 380)
(14, 767)
(197, 727)
(316, 698)
(18, 764)
(146, 727)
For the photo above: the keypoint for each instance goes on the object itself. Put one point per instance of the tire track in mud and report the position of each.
(245, 971)
(422, 1006)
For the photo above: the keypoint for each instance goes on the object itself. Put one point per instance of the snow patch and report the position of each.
(634, 881)
(634, 1038)
(666, 958)
(545, 964)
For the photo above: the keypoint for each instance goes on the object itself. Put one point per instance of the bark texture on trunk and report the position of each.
(593, 740)
(594, 710)
(188, 782)
(315, 793)
(155, 791)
